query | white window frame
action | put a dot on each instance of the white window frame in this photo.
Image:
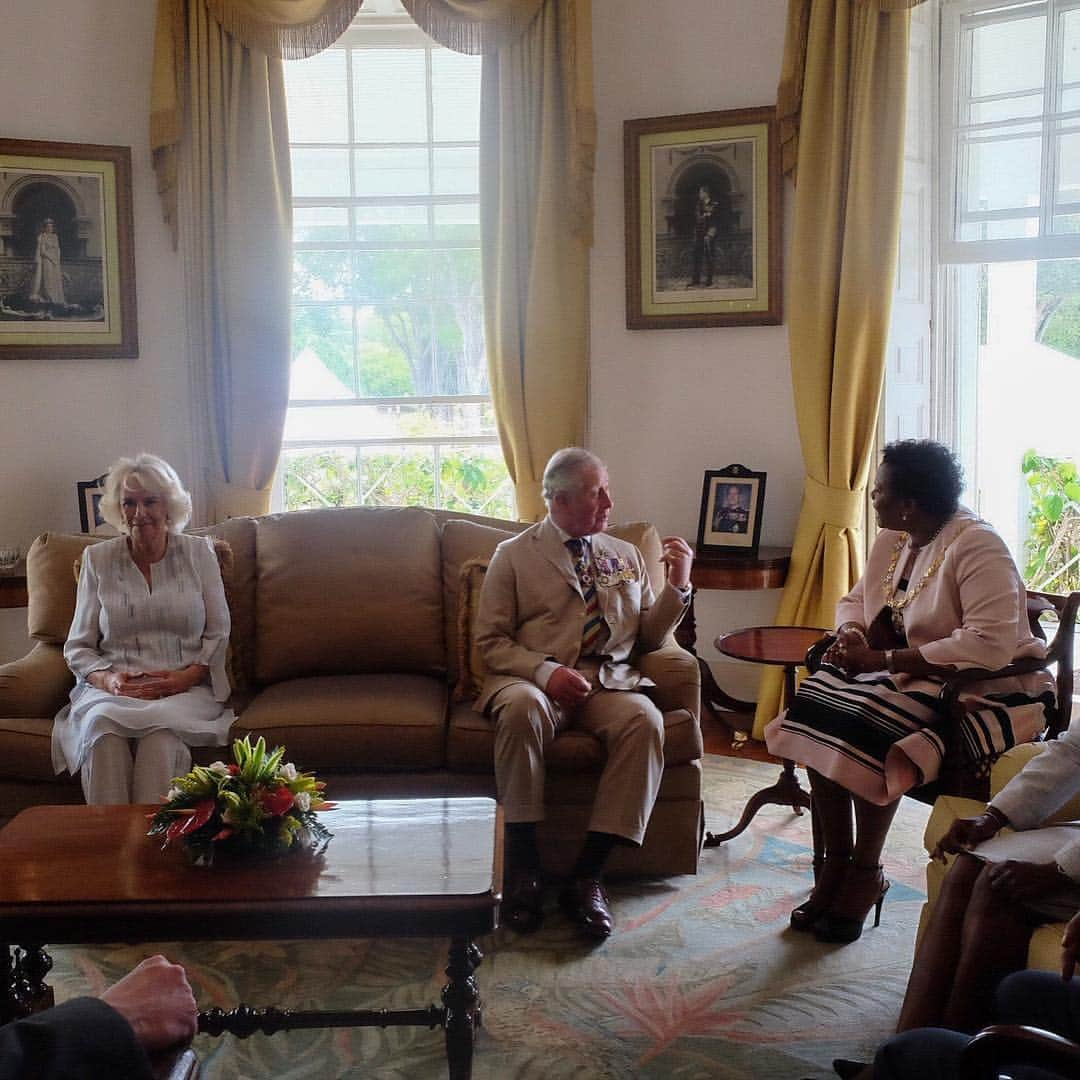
(955, 16)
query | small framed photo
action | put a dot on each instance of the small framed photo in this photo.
(703, 220)
(67, 262)
(90, 519)
(731, 503)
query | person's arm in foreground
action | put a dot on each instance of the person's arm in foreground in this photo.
(149, 1010)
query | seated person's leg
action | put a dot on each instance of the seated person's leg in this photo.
(106, 773)
(525, 723)
(920, 1054)
(1041, 999)
(159, 756)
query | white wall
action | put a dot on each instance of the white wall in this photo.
(665, 404)
(81, 73)
(668, 404)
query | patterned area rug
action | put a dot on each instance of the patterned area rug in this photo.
(702, 978)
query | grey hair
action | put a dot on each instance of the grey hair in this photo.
(564, 468)
(151, 473)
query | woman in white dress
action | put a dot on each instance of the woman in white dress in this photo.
(147, 644)
(1000, 888)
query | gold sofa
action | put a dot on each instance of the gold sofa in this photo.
(1044, 951)
(350, 647)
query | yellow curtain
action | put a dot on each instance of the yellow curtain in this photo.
(845, 73)
(537, 149)
(218, 108)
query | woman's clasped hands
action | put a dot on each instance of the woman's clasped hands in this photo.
(851, 651)
(148, 685)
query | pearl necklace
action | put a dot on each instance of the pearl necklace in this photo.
(888, 586)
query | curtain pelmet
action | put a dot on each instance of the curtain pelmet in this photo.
(473, 26)
(285, 29)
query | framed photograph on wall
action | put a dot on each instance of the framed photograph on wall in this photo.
(731, 503)
(67, 265)
(703, 220)
(89, 496)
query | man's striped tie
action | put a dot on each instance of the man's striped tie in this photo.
(595, 632)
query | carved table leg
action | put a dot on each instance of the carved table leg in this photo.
(462, 1000)
(787, 791)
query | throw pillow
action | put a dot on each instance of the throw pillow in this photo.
(471, 669)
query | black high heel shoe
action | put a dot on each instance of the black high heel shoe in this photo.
(829, 881)
(864, 888)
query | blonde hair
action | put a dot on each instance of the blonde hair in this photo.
(150, 473)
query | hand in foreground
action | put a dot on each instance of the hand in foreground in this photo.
(155, 998)
(567, 687)
(1070, 947)
(679, 557)
(1019, 881)
(965, 834)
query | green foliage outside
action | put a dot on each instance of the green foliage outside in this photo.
(470, 481)
(1058, 297)
(1053, 543)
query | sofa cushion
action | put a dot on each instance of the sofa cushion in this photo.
(347, 591)
(352, 721)
(470, 661)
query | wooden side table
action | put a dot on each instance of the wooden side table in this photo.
(767, 569)
(13, 586)
(781, 646)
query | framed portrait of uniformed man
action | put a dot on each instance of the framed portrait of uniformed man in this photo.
(703, 208)
(731, 503)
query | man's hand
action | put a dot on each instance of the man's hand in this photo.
(567, 687)
(679, 557)
(965, 834)
(1020, 881)
(155, 998)
(1070, 947)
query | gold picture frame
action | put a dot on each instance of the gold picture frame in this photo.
(67, 263)
(703, 220)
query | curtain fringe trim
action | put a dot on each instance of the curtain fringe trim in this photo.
(282, 41)
(463, 34)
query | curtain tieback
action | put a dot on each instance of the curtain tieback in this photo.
(841, 508)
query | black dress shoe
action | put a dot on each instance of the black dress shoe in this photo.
(586, 904)
(522, 908)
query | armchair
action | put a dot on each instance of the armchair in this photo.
(1003, 1045)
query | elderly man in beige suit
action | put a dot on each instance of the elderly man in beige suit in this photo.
(562, 607)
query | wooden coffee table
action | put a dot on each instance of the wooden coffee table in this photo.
(410, 867)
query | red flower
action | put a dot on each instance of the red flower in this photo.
(277, 801)
(233, 769)
(190, 820)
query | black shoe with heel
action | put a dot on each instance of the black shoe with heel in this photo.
(830, 880)
(864, 888)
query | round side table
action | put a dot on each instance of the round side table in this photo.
(780, 646)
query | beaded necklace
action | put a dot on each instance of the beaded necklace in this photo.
(888, 585)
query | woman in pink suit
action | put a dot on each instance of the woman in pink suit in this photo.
(940, 593)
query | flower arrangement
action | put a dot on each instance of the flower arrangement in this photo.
(255, 805)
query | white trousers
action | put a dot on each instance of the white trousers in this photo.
(628, 724)
(120, 770)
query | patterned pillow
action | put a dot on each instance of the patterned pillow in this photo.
(471, 669)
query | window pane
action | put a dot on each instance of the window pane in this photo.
(313, 223)
(397, 476)
(324, 477)
(393, 275)
(1070, 41)
(459, 337)
(391, 223)
(315, 89)
(391, 172)
(455, 91)
(1014, 228)
(356, 420)
(1008, 56)
(1016, 108)
(458, 223)
(1070, 99)
(320, 173)
(457, 171)
(457, 273)
(389, 95)
(320, 275)
(322, 350)
(1068, 168)
(473, 479)
(1003, 174)
(392, 343)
